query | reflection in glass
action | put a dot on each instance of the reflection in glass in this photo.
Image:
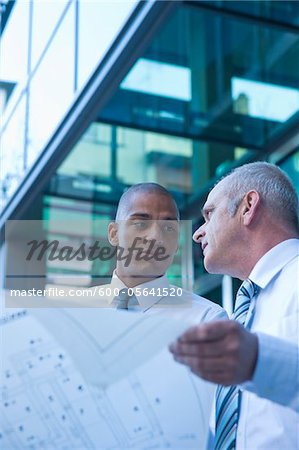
(107, 159)
(14, 54)
(146, 156)
(12, 153)
(99, 23)
(277, 10)
(152, 77)
(73, 223)
(200, 79)
(290, 165)
(45, 18)
(52, 87)
(263, 99)
(91, 156)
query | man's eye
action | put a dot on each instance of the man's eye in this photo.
(168, 228)
(140, 225)
(208, 214)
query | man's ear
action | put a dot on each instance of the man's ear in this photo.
(250, 205)
(113, 233)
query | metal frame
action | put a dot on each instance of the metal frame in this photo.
(139, 29)
(202, 136)
(268, 23)
(5, 10)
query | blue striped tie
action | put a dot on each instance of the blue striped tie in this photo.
(122, 299)
(228, 398)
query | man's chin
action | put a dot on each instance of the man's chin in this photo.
(210, 267)
(214, 270)
(152, 271)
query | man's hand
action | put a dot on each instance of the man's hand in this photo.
(222, 352)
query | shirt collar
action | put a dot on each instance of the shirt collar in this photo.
(145, 301)
(273, 261)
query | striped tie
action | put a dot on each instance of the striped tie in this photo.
(122, 299)
(228, 398)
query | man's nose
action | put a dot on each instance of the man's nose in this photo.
(155, 232)
(199, 234)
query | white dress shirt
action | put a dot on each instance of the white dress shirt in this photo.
(175, 297)
(269, 415)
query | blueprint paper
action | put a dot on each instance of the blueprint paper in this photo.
(47, 402)
(117, 341)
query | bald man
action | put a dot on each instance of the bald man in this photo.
(147, 220)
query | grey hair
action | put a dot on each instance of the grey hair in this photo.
(274, 186)
(142, 188)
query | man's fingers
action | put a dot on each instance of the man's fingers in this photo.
(215, 377)
(201, 365)
(207, 332)
(210, 369)
(201, 349)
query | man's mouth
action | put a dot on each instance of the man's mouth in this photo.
(204, 246)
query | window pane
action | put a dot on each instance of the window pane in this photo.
(52, 87)
(14, 54)
(278, 10)
(12, 153)
(200, 79)
(91, 156)
(99, 23)
(154, 157)
(45, 17)
(291, 166)
(107, 159)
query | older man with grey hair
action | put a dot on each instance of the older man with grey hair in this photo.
(251, 232)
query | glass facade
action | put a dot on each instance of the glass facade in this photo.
(43, 66)
(15, 55)
(290, 164)
(96, 96)
(200, 79)
(13, 137)
(46, 19)
(182, 120)
(99, 23)
(214, 86)
(109, 158)
(51, 89)
(277, 12)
